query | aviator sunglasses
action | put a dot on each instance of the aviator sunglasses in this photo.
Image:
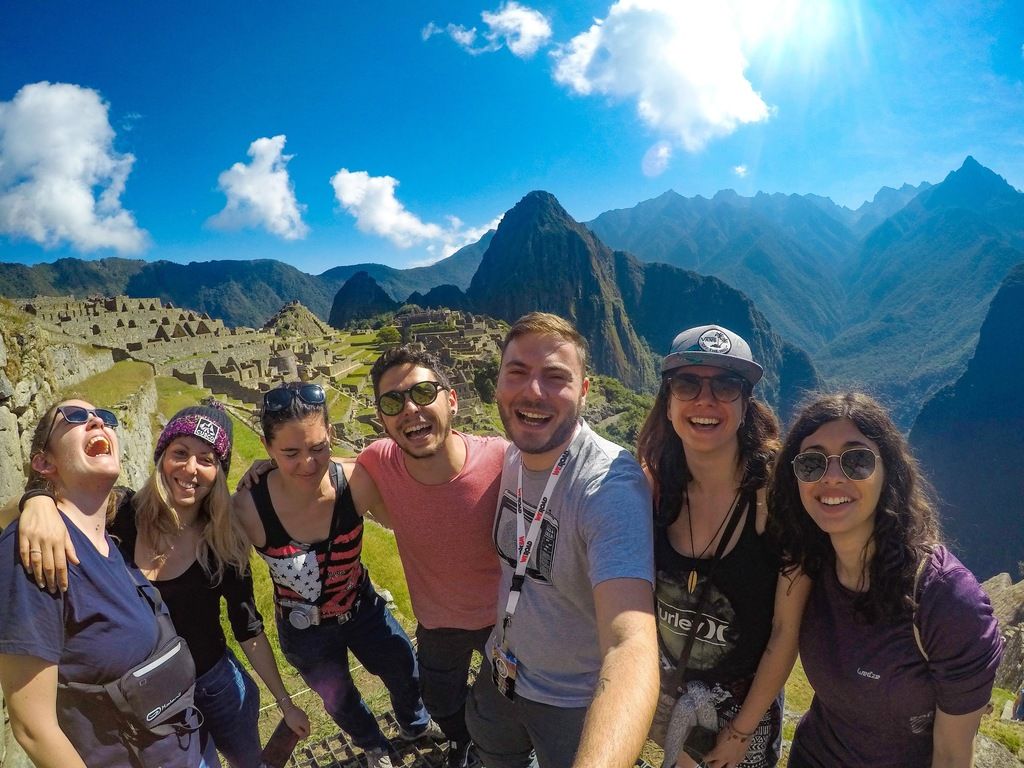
(76, 414)
(281, 398)
(856, 463)
(725, 388)
(422, 393)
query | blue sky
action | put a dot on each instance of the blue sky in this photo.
(324, 133)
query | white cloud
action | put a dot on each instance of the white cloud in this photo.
(656, 159)
(682, 62)
(522, 29)
(377, 211)
(60, 179)
(740, 170)
(260, 194)
(519, 28)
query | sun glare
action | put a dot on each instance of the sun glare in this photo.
(794, 38)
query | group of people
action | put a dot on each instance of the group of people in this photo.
(602, 591)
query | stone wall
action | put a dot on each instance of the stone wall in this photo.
(136, 435)
(36, 365)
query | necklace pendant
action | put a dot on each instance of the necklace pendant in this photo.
(691, 581)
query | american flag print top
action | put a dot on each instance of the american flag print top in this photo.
(328, 573)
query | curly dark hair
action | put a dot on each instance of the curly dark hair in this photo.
(661, 451)
(906, 527)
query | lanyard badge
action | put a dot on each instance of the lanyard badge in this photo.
(504, 664)
(503, 671)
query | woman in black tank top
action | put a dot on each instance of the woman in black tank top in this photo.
(706, 447)
(303, 521)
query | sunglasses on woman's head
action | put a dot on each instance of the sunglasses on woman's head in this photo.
(76, 414)
(422, 393)
(281, 398)
(725, 387)
(856, 463)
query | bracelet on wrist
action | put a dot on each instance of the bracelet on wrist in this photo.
(284, 701)
(738, 734)
(31, 494)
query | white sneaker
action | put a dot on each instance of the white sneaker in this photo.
(430, 731)
(378, 758)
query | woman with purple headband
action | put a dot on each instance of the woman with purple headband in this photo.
(179, 530)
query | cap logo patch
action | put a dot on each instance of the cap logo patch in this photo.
(714, 340)
(206, 430)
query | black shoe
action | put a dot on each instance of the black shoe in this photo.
(458, 754)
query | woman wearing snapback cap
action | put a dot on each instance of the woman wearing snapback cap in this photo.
(707, 446)
(180, 531)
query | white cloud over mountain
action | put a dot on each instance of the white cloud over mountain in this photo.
(519, 28)
(61, 180)
(682, 62)
(377, 211)
(261, 194)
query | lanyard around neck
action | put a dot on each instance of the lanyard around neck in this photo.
(526, 539)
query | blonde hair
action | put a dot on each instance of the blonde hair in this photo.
(547, 324)
(35, 479)
(222, 540)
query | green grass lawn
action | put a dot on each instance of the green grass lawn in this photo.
(114, 384)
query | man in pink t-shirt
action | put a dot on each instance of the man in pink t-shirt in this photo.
(438, 490)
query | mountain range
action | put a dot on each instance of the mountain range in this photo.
(238, 292)
(888, 297)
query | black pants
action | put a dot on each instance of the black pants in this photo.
(444, 657)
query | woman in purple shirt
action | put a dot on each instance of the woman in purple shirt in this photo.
(898, 640)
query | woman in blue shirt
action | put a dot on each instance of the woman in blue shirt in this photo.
(94, 633)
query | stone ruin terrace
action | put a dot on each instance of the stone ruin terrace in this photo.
(243, 363)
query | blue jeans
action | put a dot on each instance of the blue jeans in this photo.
(230, 702)
(320, 655)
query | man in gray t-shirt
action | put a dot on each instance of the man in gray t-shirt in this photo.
(572, 670)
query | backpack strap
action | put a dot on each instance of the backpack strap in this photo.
(917, 587)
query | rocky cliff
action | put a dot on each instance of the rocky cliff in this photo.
(37, 365)
(970, 439)
(540, 258)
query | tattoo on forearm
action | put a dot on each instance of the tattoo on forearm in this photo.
(602, 683)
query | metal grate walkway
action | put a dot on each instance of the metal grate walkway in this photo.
(337, 752)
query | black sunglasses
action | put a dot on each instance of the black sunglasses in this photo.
(76, 414)
(281, 398)
(725, 388)
(422, 393)
(856, 463)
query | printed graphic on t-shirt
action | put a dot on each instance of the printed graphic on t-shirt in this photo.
(713, 640)
(920, 724)
(541, 558)
(297, 569)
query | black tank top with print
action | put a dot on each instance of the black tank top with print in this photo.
(326, 573)
(736, 619)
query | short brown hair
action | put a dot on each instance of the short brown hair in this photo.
(406, 355)
(547, 324)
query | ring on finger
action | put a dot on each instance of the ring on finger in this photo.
(35, 551)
